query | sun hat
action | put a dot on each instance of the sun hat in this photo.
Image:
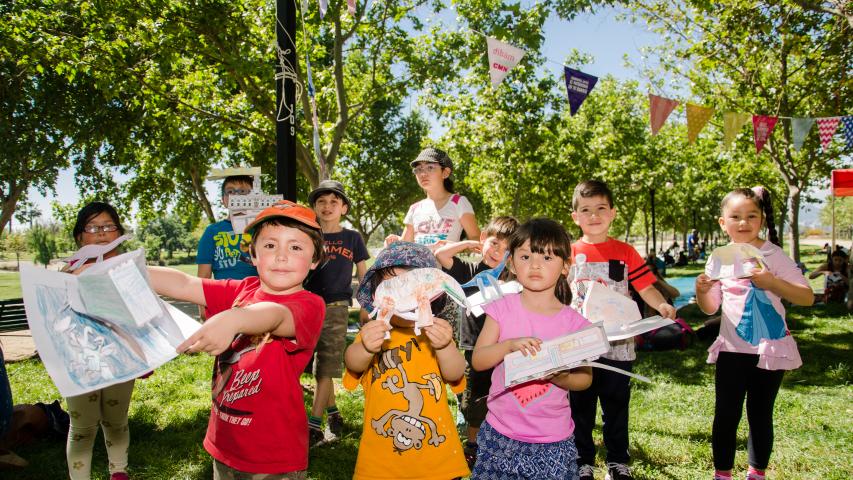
(284, 208)
(328, 186)
(433, 155)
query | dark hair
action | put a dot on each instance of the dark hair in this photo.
(546, 235)
(843, 256)
(501, 227)
(237, 179)
(591, 188)
(91, 211)
(761, 197)
(315, 235)
(448, 184)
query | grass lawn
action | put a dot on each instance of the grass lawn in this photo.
(670, 419)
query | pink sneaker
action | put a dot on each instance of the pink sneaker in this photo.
(119, 476)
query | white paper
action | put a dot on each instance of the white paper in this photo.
(619, 314)
(734, 260)
(83, 352)
(628, 330)
(556, 355)
(476, 301)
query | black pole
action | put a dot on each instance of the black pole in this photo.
(654, 232)
(285, 125)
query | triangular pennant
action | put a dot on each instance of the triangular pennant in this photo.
(502, 58)
(659, 110)
(847, 123)
(351, 7)
(732, 123)
(697, 117)
(800, 128)
(826, 129)
(578, 86)
(762, 127)
(324, 6)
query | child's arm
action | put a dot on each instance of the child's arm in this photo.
(488, 352)
(575, 379)
(408, 233)
(793, 292)
(823, 268)
(469, 224)
(446, 252)
(450, 361)
(219, 331)
(653, 297)
(360, 270)
(708, 302)
(358, 355)
(176, 284)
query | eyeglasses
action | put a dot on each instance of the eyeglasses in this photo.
(428, 168)
(100, 228)
(237, 191)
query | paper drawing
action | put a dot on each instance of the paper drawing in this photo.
(619, 314)
(734, 260)
(409, 295)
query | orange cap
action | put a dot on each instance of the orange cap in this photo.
(284, 208)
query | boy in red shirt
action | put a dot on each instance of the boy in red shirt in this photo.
(263, 331)
(599, 258)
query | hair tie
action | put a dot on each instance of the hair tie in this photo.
(758, 191)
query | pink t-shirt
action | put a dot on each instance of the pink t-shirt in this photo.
(765, 332)
(538, 411)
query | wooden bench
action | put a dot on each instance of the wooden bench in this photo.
(13, 317)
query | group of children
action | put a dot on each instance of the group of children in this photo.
(264, 329)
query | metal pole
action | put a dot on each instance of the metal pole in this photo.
(285, 125)
(654, 232)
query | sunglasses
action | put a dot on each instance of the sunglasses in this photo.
(428, 168)
(237, 191)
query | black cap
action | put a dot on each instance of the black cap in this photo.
(433, 155)
(328, 186)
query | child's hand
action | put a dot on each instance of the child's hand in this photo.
(440, 333)
(214, 336)
(527, 345)
(373, 335)
(392, 238)
(666, 310)
(704, 283)
(762, 278)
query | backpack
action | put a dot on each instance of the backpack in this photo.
(677, 335)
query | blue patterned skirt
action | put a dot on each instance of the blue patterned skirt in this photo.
(501, 457)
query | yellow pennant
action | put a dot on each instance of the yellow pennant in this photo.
(732, 123)
(697, 117)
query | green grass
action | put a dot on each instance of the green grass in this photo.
(10, 285)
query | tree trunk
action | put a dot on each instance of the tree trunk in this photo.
(646, 225)
(9, 203)
(794, 215)
(629, 221)
(201, 194)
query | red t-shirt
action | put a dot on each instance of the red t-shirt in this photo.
(257, 421)
(612, 262)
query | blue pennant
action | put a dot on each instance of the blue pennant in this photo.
(760, 319)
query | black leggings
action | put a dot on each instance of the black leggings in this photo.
(738, 377)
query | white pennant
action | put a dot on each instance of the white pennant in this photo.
(502, 58)
(324, 5)
(800, 128)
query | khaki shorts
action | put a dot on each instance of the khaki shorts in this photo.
(333, 341)
(224, 472)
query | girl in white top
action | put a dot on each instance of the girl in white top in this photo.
(442, 215)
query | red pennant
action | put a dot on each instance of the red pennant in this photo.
(762, 127)
(659, 109)
(826, 129)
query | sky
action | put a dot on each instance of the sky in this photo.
(599, 34)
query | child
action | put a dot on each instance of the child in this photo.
(98, 223)
(835, 283)
(522, 438)
(443, 215)
(493, 243)
(263, 330)
(409, 430)
(754, 346)
(599, 258)
(219, 250)
(333, 281)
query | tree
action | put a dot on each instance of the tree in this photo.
(773, 58)
(43, 242)
(27, 213)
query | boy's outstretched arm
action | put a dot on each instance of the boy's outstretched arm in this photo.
(176, 284)
(219, 331)
(446, 252)
(653, 297)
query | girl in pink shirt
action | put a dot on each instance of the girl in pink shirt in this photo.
(528, 432)
(754, 347)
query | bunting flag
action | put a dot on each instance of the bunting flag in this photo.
(732, 123)
(502, 58)
(697, 117)
(659, 110)
(762, 127)
(578, 86)
(351, 7)
(800, 128)
(826, 129)
(324, 5)
(847, 123)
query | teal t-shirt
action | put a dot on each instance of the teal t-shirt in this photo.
(226, 251)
